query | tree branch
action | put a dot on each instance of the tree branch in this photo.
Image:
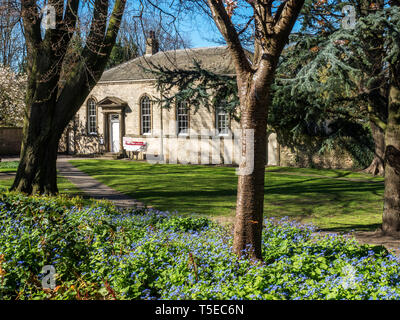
(97, 29)
(71, 16)
(31, 21)
(112, 32)
(288, 16)
(279, 12)
(88, 71)
(230, 35)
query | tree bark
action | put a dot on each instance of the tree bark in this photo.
(56, 86)
(391, 210)
(37, 171)
(377, 89)
(254, 79)
(250, 193)
(377, 166)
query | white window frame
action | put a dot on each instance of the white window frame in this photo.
(182, 117)
(221, 112)
(145, 102)
(92, 117)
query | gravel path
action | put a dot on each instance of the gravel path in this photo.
(93, 188)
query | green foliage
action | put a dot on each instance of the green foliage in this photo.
(121, 52)
(323, 111)
(335, 74)
(362, 153)
(197, 86)
(9, 165)
(104, 253)
(186, 224)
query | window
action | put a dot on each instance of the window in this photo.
(222, 119)
(182, 117)
(92, 117)
(145, 113)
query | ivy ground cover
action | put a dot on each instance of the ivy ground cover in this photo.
(100, 252)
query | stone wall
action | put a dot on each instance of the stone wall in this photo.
(75, 140)
(307, 157)
(10, 140)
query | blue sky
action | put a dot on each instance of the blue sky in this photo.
(198, 40)
(200, 31)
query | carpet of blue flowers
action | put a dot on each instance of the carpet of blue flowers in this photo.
(100, 252)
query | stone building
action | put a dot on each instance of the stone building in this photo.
(120, 116)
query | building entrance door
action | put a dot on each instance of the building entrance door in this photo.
(114, 133)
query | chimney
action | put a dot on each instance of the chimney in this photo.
(151, 44)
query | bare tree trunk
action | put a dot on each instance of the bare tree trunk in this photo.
(391, 210)
(37, 171)
(254, 79)
(250, 194)
(57, 87)
(377, 166)
(377, 89)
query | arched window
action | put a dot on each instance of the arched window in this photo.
(182, 117)
(222, 121)
(92, 116)
(145, 115)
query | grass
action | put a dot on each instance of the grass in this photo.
(64, 186)
(331, 199)
(329, 173)
(8, 166)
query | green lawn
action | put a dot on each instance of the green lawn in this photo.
(64, 186)
(8, 166)
(323, 197)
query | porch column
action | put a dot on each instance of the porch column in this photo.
(122, 132)
(105, 133)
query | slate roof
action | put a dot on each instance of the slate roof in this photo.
(215, 59)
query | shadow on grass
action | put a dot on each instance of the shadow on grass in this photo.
(211, 190)
(353, 227)
(315, 185)
(355, 175)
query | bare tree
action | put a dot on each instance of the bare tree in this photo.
(134, 32)
(11, 36)
(273, 22)
(136, 26)
(264, 25)
(56, 92)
